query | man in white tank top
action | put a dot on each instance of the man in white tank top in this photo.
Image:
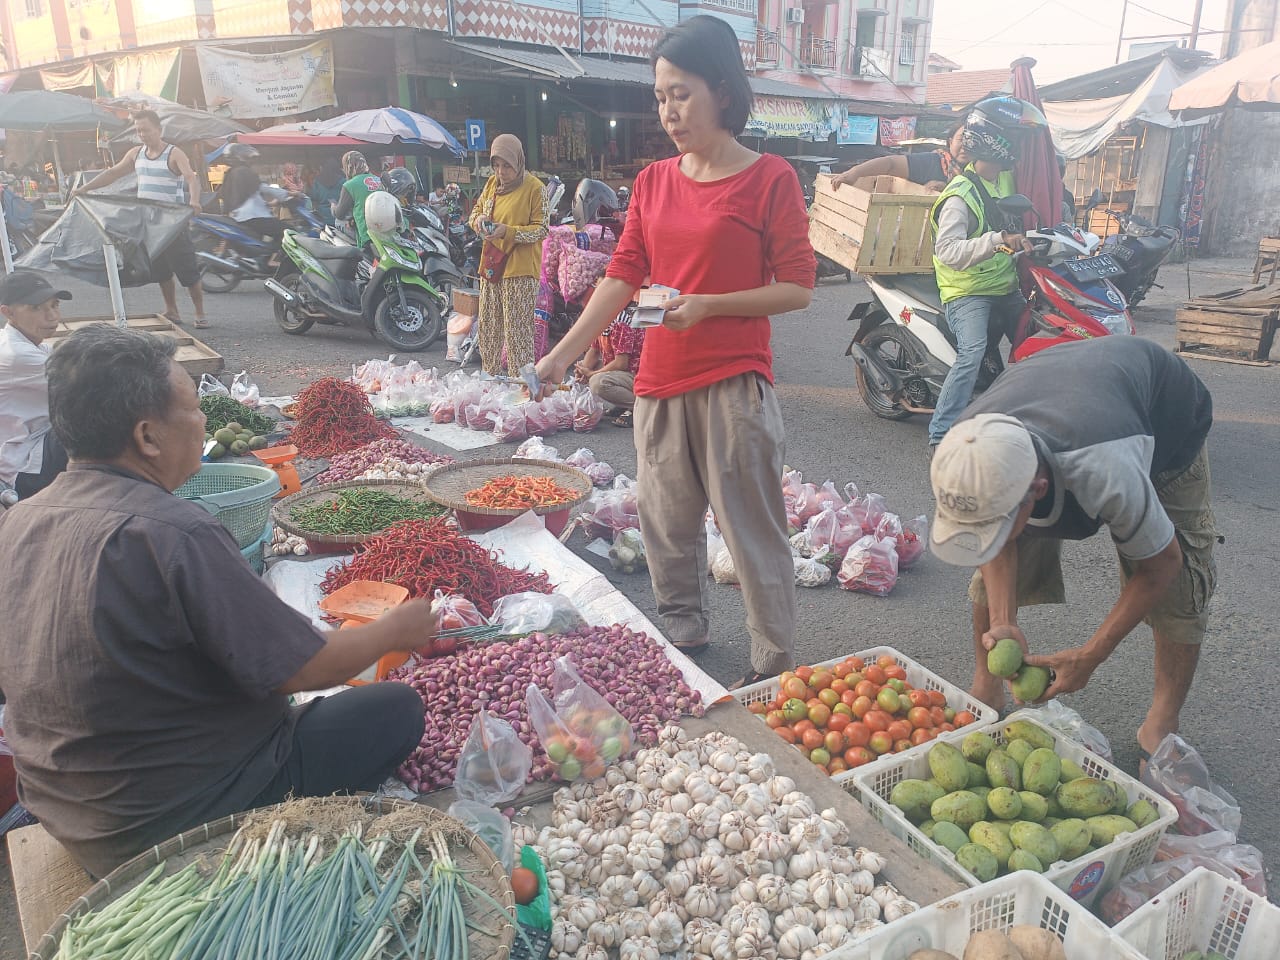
(164, 173)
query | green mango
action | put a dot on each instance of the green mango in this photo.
(226, 436)
(1071, 771)
(1087, 797)
(217, 451)
(1035, 839)
(977, 775)
(1003, 771)
(962, 808)
(977, 745)
(1030, 684)
(986, 835)
(1005, 658)
(1143, 812)
(1024, 860)
(982, 792)
(1055, 808)
(927, 828)
(1050, 822)
(1034, 807)
(239, 448)
(1019, 750)
(1072, 836)
(948, 766)
(258, 443)
(949, 835)
(1028, 731)
(914, 798)
(1041, 770)
(1004, 826)
(1121, 806)
(1004, 803)
(979, 861)
(1106, 828)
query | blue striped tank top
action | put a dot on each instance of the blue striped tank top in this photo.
(155, 180)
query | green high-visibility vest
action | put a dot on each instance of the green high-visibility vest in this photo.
(991, 278)
(360, 186)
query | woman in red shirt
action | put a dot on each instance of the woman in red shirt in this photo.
(727, 227)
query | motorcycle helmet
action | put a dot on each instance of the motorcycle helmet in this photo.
(452, 191)
(353, 162)
(400, 183)
(994, 125)
(240, 153)
(382, 213)
(624, 196)
(594, 201)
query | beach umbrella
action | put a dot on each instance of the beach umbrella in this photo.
(387, 125)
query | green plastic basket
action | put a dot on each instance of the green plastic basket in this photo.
(238, 494)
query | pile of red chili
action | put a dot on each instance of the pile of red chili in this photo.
(511, 492)
(424, 556)
(333, 416)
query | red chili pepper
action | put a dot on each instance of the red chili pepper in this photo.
(333, 416)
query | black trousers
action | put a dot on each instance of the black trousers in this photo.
(351, 741)
(54, 462)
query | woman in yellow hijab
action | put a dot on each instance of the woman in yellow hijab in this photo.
(511, 215)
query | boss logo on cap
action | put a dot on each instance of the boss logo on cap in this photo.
(957, 502)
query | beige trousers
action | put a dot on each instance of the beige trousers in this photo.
(721, 445)
(615, 387)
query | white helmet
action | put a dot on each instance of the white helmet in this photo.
(382, 213)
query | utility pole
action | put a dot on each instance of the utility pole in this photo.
(1195, 24)
(1124, 11)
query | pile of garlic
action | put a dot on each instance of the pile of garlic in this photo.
(697, 850)
(392, 468)
(282, 544)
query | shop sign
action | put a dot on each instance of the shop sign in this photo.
(785, 117)
(251, 85)
(858, 130)
(893, 130)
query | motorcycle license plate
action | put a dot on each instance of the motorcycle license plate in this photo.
(1093, 268)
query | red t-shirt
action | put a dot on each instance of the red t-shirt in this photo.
(739, 233)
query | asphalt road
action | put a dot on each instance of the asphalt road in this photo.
(831, 434)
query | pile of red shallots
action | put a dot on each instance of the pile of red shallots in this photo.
(628, 668)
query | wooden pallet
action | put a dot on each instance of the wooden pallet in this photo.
(876, 225)
(1233, 325)
(193, 355)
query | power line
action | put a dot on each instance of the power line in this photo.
(1157, 13)
(1005, 29)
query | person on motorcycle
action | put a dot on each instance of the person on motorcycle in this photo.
(243, 199)
(977, 278)
(359, 184)
(933, 169)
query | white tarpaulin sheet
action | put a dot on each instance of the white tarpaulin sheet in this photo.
(524, 542)
(452, 435)
(1082, 126)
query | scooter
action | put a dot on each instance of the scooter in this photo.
(903, 348)
(1140, 248)
(433, 248)
(319, 282)
(228, 253)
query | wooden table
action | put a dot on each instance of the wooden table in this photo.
(193, 355)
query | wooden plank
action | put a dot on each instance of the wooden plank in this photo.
(1196, 355)
(1227, 318)
(837, 220)
(834, 245)
(1226, 310)
(1210, 334)
(1269, 245)
(193, 355)
(1256, 331)
(1234, 344)
(45, 880)
(885, 223)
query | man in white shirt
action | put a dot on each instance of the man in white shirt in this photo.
(30, 455)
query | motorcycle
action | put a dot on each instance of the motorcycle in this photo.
(903, 348)
(1140, 248)
(432, 243)
(320, 282)
(228, 253)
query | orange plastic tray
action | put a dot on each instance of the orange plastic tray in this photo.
(364, 600)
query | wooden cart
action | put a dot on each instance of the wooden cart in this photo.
(1237, 326)
(875, 225)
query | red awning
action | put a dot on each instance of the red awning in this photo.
(296, 139)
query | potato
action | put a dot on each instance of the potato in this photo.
(1036, 943)
(991, 945)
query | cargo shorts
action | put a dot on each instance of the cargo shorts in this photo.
(1182, 616)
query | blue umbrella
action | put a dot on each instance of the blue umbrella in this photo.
(387, 125)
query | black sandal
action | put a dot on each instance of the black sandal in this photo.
(751, 678)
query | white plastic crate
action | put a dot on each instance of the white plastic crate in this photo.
(1204, 911)
(919, 677)
(1014, 900)
(1085, 878)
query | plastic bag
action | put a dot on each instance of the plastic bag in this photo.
(871, 566)
(494, 764)
(535, 449)
(243, 390)
(1178, 772)
(722, 567)
(211, 386)
(442, 409)
(509, 424)
(609, 511)
(588, 411)
(1062, 719)
(627, 553)
(560, 408)
(534, 612)
(578, 270)
(490, 826)
(829, 497)
(588, 714)
(811, 573)
(912, 542)
(715, 542)
(868, 511)
(454, 612)
(1220, 847)
(581, 458)
(539, 420)
(792, 491)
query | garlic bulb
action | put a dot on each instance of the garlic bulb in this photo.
(753, 946)
(701, 901)
(771, 845)
(672, 738)
(645, 852)
(797, 916)
(779, 787)
(746, 918)
(865, 908)
(864, 927)
(760, 767)
(680, 803)
(613, 860)
(634, 923)
(591, 951)
(699, 935)
(722, 947)
(686, 850)
(674, 779)
(614, 777)
(884, 894)
(555, 884)
(842, 860)
(716, 872)
(677, 882)
(581, 912)
(670, 828)
(639, 948)
(825, 891)
(795, 942)
(619, 892)
(523, 835)
(667, 931)
(773, 893)
(605, 933)
(647, 885)
(737, 831)
(833, 935)
(751, 800)
(805, 864)
(865, 884)
(899, 907)
(565, 937)
(809, 833)
(745, 892)
(629, 797)
(699, 789)
(869, 860)
(836, 828)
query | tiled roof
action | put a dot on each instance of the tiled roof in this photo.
(965, 86)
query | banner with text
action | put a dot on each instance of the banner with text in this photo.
(253, 85)
(855, 129)
(786, 117)
(893, 130)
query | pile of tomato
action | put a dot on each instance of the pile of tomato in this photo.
(844, 715)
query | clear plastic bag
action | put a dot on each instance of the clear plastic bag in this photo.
(870, 566)
(612, 510)
(811, 573)
(243, 390)
(535, 449)
(588, 714)
(581, 458)
(510, 424)
(442, 409)
(722, 569)
(490, 826)
(494, 764)
(913, 541)
(561, 411)
(1220, 847)
(828, 496)
(715, 542)
(557, 740)
(1178, 772)
(588, 411)
(627, 553)
(455, 612)
(1062, 719)
(820, 532)
(868, 510)
(533, 612)
(211, 386)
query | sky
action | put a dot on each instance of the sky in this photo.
(1066, 37)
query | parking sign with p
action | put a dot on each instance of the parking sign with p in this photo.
(476, 138)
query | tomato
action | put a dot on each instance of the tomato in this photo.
(584, 750)
(839, 721)
(524, 884)
(862, 706)
(775, 719)
(857, 734)
(854, 679)
(858, 662)
(557, 749)
(837, 765)
(820, 757)
(950, 713)
(829, 697)
(834, 742)
(885, 661)
(896, 672)
(785, 675)
(821, 679)
(861, 755)
(937, 715)
(937, 698)
(759, 708)
(794, 688)
(800, 726)
(866, 688)
(786, 733)
(842, 670)
(899, 685)
(877, 720)
(880, 743)
(900, 745)
(820, 714)
(964, 718)
(919, 717)
(876, 674)
(848, 698)
(921, 735)
(804, 673)
(947, 728)
(593, 769)
(839, 686)
(812, 739)
(794, 709)
(842, 710)
(887, 699)
(918, 698)
(899, 730)
(812, 702)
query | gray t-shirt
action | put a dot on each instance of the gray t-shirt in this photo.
(1109, 416)
(139, 658)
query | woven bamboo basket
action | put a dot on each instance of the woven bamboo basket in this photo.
(340, 543)
(205, 844)
(450, 484)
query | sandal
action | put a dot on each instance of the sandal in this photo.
(751, 678)
(201, 324)
(694, 647)
(624, 419)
